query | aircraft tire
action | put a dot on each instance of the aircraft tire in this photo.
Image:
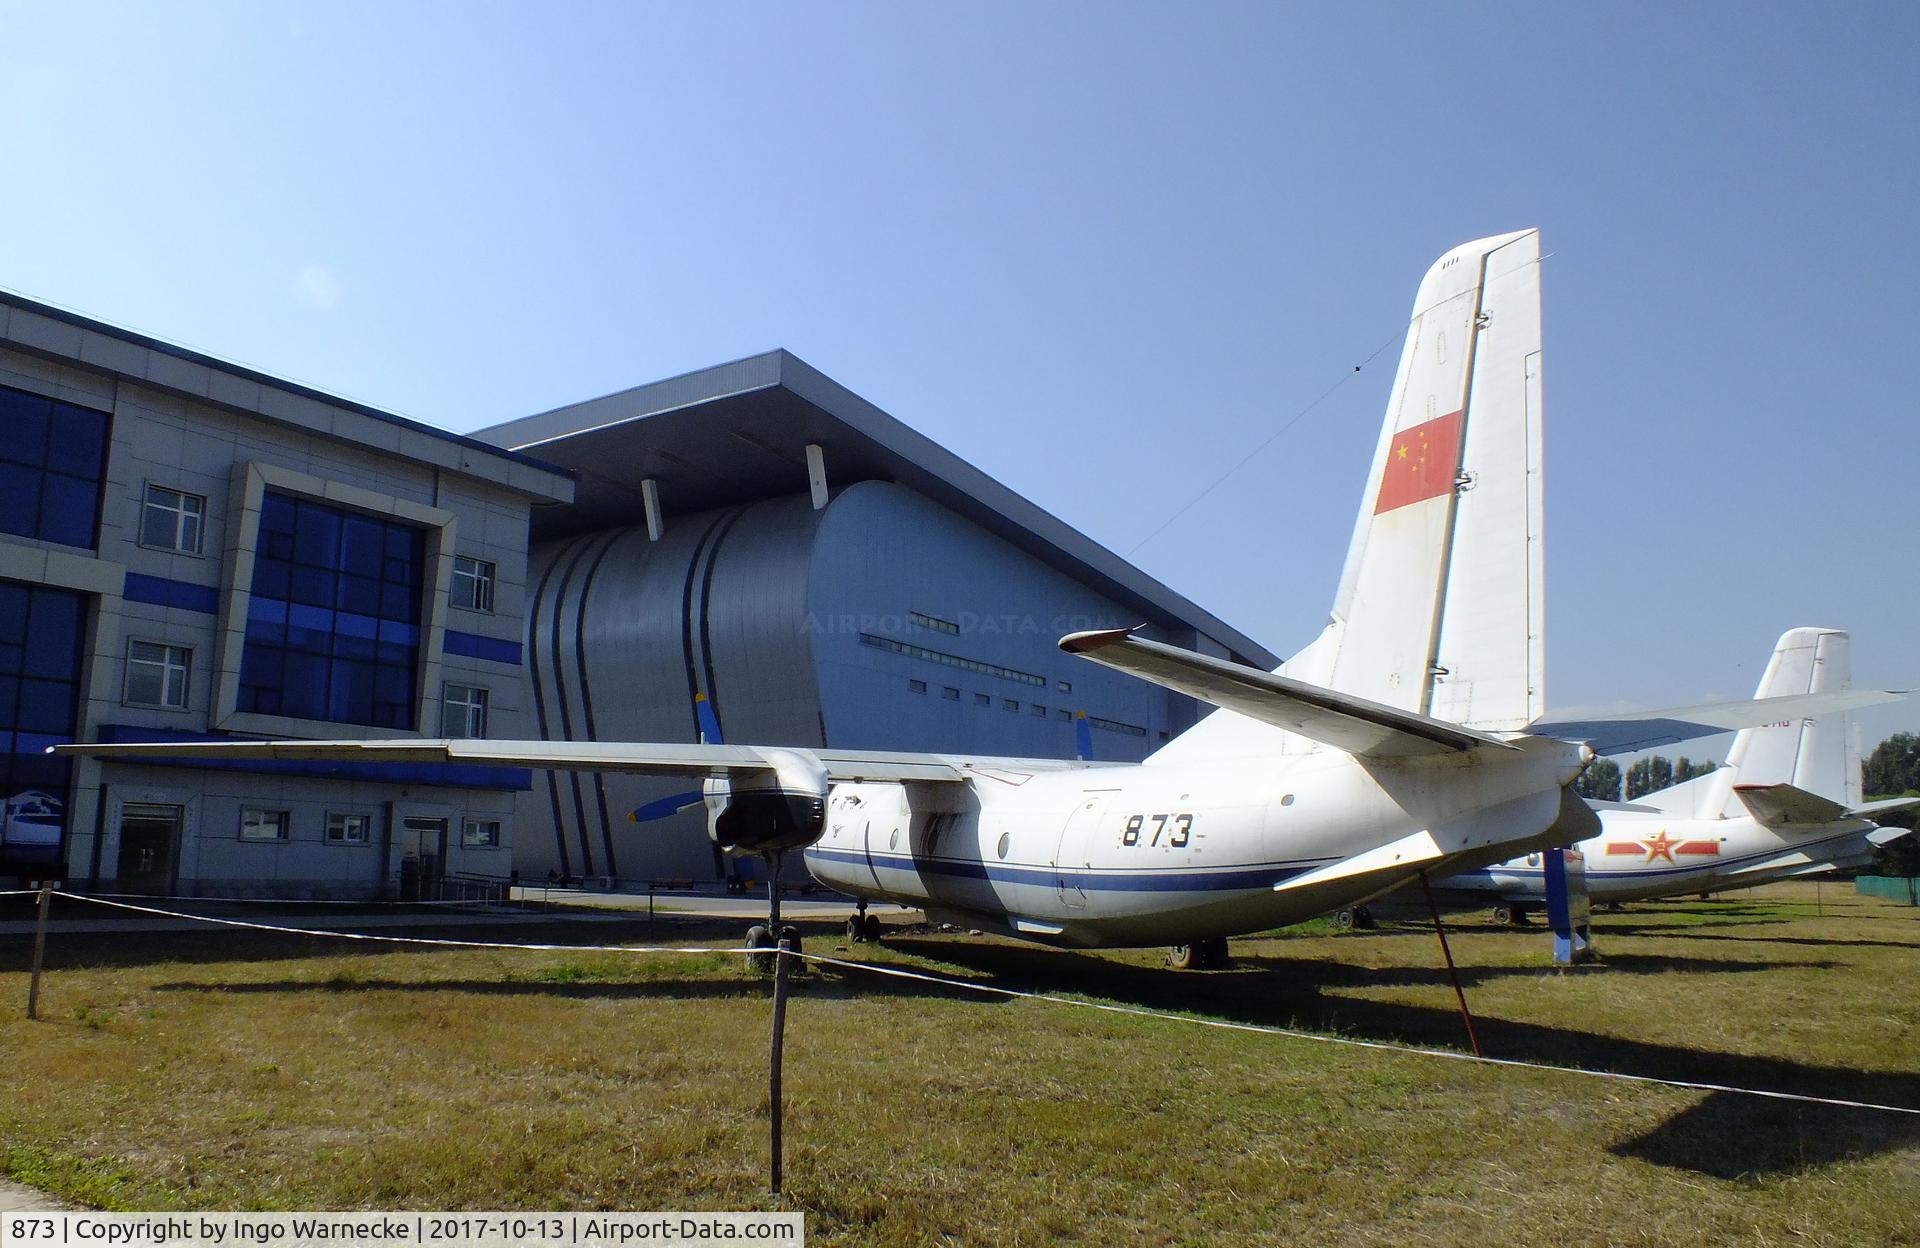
(1184, 957)
(871, 927)
(759, 936)
(857, 929)
(1213, 953)
(1343, 920)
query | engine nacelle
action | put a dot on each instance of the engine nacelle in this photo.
(756, 812)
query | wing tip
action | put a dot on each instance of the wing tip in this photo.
(1094, 639)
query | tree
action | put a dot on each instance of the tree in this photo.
(1686, 769)
(1649, 775)
(1894, 766)
(1893, 770)
(1600, 781)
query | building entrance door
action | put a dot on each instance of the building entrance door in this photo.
(423, 861)
(149, 844)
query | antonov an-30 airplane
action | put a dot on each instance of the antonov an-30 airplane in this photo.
(1397, 743)
(1787, 803)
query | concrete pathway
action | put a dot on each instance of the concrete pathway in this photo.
(19, 1198)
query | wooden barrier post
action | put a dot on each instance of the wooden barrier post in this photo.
(39, 950)
(776, 1105)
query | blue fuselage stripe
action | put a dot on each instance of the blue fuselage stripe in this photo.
(1223, 879)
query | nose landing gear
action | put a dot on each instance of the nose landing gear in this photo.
(861, 926)
(772, 933)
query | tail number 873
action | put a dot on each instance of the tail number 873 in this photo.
(1139, 827)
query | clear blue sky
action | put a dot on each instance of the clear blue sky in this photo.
(1100, 250)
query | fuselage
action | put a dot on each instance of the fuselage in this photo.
(1643, 855)
(1168, 854)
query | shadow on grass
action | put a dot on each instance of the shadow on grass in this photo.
(1288, 993)
(1733, 1137)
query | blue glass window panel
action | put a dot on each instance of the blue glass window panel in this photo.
(361, 544)
(13, 612)
(9, 694)
(277, 514)
(12, 656)
(360, 594)
(260, 663)
(316, 619)
(351, 624)
(303, 689)
(25, 417)
(316, 539)
(277, 545)
(19, 499)
(266, 611)
(399, 602)
(314, 586)
(45, 706)
(352, 700)
(53, 643)
(272, 578)
(395, 633)
(69, 510)
(403, 544)
(33, 768)
(79, 442)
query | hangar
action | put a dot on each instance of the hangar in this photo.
(194, 550)
(759, 537)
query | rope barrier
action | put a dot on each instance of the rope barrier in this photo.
(874, 968)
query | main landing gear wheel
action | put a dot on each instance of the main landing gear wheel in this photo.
(862, 926)
(760, 936)
(1510, 915)
(1204, 955)
(1353, 918)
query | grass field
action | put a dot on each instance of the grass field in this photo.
(228, 1071)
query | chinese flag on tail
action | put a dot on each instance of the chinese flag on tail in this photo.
(1421, 464)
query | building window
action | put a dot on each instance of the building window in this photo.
(347, 829)
(918, 686)
(951, 660)
(1115, 725)
(173, 520)
(40, 635)
(257, 824)
(1039, 710)
(480, 833)
(157, 674)
(1063, 713)
(950, 694)
(982, 699)
(53, 457)
(1065, 686)
(1011, 704)
(334, 621)
(463, 711)
(472, 583)
(934, 622)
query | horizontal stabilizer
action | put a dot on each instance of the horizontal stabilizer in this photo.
(1887, 836)
(1396, 856)
(1885, 806)
(1775, 804)
(1355, 725)
(645, 758)
(1643, 730)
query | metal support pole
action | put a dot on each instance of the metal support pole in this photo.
(776, 1104)
(773, 894)
(39, 950)
(1453, 972)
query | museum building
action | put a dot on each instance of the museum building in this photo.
(192, 550)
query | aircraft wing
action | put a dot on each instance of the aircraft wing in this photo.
(655, 758)
(1355, 725)
(1643, 730)
(1885, 806)
(1775, 804)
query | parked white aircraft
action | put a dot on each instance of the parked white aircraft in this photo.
(1787, 803)
(1396, 744)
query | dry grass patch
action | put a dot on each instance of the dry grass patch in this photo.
(292, 1074)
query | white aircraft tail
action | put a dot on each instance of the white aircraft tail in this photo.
(1440, 607)
(1817, 755)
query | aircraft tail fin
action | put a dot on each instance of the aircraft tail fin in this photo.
(1440, 610)
(1811, 753)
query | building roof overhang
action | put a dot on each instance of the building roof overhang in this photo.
(739, 432)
